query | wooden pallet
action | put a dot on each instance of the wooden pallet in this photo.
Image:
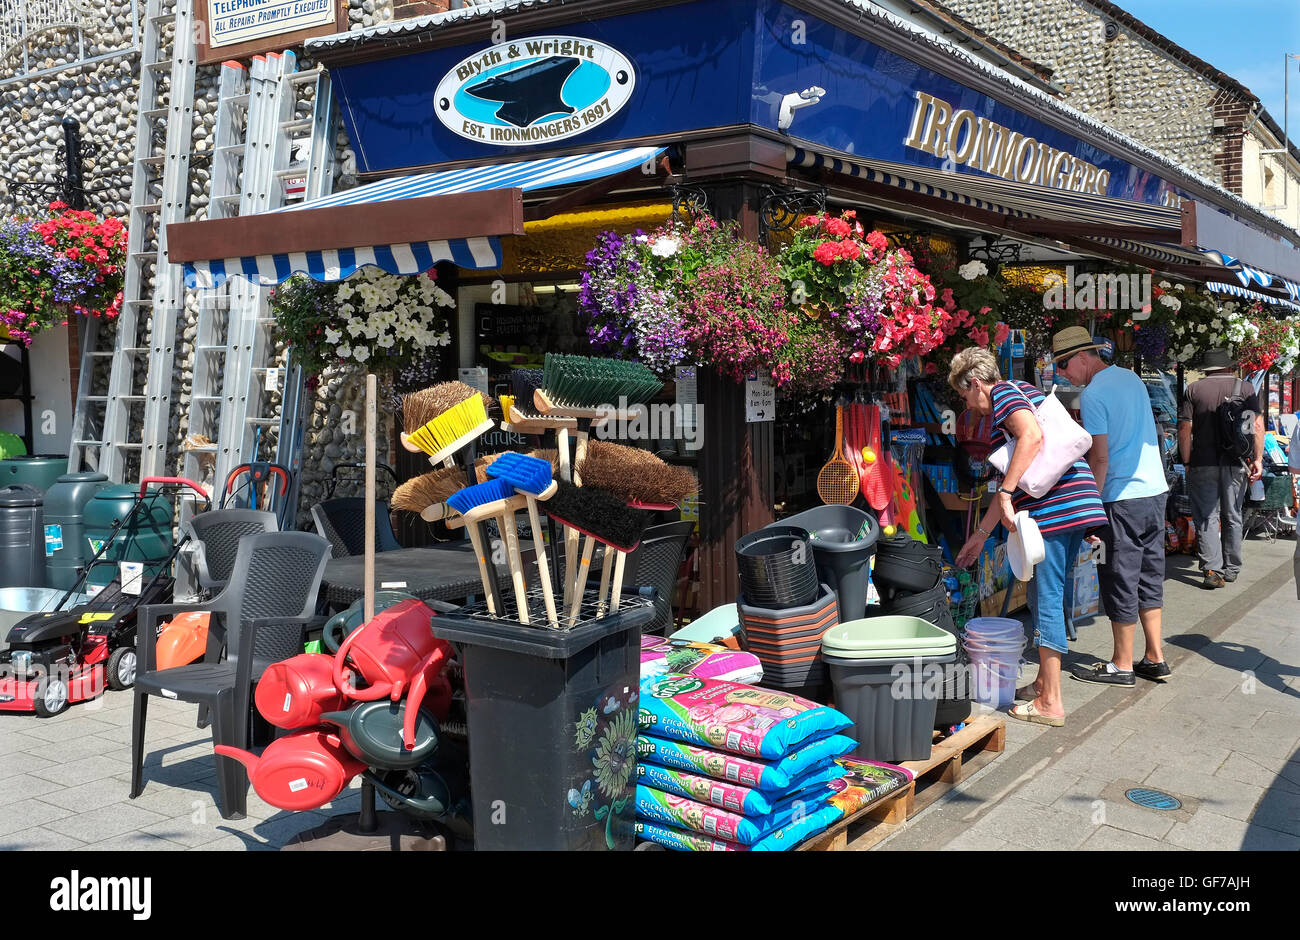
(950, 761)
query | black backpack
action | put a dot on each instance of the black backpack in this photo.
(1236, 425)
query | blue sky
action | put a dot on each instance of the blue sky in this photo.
(1244, 38)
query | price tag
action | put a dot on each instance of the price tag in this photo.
(476, 378)
(132, 575)
(760, 399)
(386, 585)
(687, 395)
(272, 379)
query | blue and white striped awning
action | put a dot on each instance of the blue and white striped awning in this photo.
(1021, 200)
(1250, 275)
(1221, 288)
(334, 264)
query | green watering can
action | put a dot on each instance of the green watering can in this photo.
(372, 732)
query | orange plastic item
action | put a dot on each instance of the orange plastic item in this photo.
(183, 640)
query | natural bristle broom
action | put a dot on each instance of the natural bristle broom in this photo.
(636, 476)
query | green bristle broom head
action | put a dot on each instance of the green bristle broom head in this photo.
(583, 382)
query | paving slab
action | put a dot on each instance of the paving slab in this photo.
(77, 772)
(40, 839)
(104, 822)
(24, 814)
(1211, 832)
(1110, 839)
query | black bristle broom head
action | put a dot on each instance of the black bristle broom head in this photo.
(602, 515)
(523, 382)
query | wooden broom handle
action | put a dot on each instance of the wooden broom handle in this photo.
(372, 418)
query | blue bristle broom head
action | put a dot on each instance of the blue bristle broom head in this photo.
(530, 474)
(479, 495)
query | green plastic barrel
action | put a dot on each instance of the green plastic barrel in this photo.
(147, 537)
(66, 550)
(39, 470)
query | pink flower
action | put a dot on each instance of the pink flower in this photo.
(1001, 333)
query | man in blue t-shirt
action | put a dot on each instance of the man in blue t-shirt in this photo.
(1125, 460)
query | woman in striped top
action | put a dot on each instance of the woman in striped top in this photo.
(1063, 515)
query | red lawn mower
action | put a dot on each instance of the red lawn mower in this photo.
(65, 656)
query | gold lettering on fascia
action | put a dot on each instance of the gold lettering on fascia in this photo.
(984, 145)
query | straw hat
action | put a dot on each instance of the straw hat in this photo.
(1071, 340)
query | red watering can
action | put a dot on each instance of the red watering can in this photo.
(394, 652)
(300, 771)
(296, 692)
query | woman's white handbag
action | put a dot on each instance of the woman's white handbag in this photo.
(1064, 442)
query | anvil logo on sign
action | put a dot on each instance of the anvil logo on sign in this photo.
(535, 90)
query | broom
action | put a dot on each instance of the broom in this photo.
(534, 478)
(636, 476)
(522, 416)
(485, 500)
(600, 516)
(640, 479)
(582, 387)
(457, 427)
(427, 494)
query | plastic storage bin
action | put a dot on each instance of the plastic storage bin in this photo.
(843, 540)
(39, 470)
(552, 727)
(147, 537)
(893, 715)
(66, 549)
(22, 539)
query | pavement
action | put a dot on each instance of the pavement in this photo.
(1221, 735)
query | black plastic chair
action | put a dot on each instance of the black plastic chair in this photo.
(218, 533)
(655, 563)
(274, 584)
(342, 522)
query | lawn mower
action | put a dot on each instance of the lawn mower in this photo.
(55, 659)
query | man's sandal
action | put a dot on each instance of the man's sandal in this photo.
(1027, 712)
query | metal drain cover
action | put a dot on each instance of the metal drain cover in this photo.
(1153, 799)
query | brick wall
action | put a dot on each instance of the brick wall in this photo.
(1234, 113)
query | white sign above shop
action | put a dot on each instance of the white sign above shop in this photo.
(235, 22)
(536, 90)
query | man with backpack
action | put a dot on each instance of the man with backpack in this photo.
(1221, 439)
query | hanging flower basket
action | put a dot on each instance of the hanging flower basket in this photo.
(53, 269)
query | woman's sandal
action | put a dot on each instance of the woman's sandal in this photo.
(1027, 712)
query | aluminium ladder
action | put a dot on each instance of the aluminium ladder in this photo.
(233, 365)
(112, 452)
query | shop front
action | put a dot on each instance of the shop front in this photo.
(794, 215)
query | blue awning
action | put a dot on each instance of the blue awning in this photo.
(328, 263)
(1235, 291)
(1247, 274)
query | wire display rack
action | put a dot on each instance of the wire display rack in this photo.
(594, 607)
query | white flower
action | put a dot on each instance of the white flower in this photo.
(1178, 287)
(361, 353)
(344, 351)
(1200, 327)
(972, 269)
(385, 341)
(1165, 285)
(332, 337)
(665, 247)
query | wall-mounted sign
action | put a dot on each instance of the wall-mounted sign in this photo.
(536, 90)
(962, 137)
(239, 29)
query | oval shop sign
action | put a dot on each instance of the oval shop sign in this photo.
(535, 90)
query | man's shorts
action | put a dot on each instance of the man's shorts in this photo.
(1133, 576)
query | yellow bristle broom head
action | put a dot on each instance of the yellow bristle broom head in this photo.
(419, 408)
(450, 426)
(636, 476)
